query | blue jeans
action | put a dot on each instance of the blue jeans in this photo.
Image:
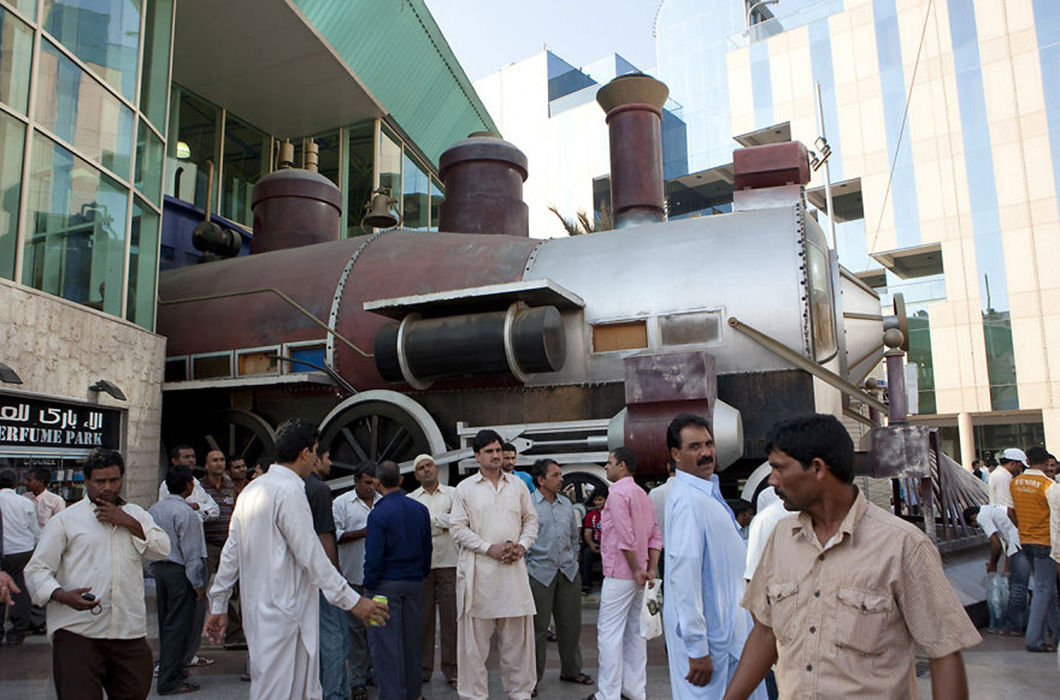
(334, 643)
(1019, 576)
(1044, 610)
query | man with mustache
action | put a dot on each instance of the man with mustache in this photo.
(90, 557)
(845, 592)
(705, 627)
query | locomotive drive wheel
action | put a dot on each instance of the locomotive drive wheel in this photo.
(240, 433)
(586, 478)
(379, 425)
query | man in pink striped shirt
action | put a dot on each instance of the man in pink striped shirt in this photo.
(629, 547)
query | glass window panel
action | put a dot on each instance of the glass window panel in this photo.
(359, 174)
(26, 7)
(154, 88)
(149, 163)
(437, 197)
(246, 160)
(416, 207)
(143, 265)
(328, 156)
(390, 165)
(105, 34)
(192, 142)
(76, 242)
(690, 328)
(12, 141)
(16, 38)
(74, 106)
(307, 356)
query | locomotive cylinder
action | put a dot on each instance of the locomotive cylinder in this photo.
(484, 178)
(294, 208)
(422, 350)
(633, 104)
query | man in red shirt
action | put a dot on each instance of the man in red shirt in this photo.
(591, 537)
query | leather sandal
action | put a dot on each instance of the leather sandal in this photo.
(580, 679)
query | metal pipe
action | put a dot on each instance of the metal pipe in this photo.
(825, 375)
(298, 307)
(827, 172)
(899, 408)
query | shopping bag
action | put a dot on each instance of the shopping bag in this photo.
(996, 598)
(651, 612)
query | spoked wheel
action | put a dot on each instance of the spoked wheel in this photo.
(586, 479)
(240, 433)
(379, 425)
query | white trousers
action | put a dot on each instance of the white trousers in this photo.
(515, 644)
(623, 652)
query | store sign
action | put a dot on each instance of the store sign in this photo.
(30, 422)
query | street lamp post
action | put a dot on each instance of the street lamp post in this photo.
(751, 9)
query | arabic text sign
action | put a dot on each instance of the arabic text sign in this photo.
(35, 422)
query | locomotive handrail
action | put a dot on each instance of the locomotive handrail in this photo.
(825, 375)
(298, 307)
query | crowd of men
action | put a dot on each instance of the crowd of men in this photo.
(1023, 522)
(820, 594)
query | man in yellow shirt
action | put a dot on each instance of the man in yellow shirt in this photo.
(1032, 516)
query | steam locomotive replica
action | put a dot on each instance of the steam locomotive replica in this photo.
(402, 342)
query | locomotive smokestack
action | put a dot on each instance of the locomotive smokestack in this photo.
(484, 178)
(633, 104)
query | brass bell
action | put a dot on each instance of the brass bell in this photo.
(380, 211)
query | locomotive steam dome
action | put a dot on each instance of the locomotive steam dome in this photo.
(292, 208)
(484, 177)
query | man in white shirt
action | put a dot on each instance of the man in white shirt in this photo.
(272, 545)
(439, 588)
(21, 532)
(199, 500)
(493, 522)
(1003, 536)
(351, 511)
(46, 502)
(1012, 461)
(90, 558)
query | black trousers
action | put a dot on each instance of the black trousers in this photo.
(17, 614)
(83, 667)
(395, 647)
(176, 613)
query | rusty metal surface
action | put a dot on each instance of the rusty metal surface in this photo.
(294, 207)
(658, 387)
(407, 263)
(483, 178)
(899, 451)
(771, 165)
(635, 133)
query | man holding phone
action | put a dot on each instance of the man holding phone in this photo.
(88, 569)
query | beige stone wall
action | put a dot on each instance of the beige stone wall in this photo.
(59, 348)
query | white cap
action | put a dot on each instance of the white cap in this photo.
(420, 458)
(1013, 454)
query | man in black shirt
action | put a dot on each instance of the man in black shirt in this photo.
(334, 634)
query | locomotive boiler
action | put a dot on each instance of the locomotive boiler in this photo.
(403, 341)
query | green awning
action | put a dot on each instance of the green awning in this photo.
(399, 53)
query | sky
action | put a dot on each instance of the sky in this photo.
(488, 34)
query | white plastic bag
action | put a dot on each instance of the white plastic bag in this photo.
(651, 612)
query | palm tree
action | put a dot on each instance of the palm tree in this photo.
(582, 224)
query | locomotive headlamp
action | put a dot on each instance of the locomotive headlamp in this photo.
(378, 210)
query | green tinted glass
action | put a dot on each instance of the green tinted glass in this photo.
(150, 160)
(16, 38)
(105, 34)
(143, 264)
(12, 140)
(154, 87)
(75, 247)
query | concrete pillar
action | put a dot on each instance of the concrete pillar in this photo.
(966, 436)
(1051, 423)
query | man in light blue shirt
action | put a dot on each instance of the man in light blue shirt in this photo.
(705, 626)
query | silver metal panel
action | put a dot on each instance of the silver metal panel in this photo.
(746, 263)
(535, 292)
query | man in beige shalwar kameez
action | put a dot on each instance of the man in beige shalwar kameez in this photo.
(494, 522)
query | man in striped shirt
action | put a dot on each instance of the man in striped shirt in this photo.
(845, 592)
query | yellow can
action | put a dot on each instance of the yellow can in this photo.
(382, 599)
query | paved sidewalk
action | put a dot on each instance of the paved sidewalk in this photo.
(997, 668)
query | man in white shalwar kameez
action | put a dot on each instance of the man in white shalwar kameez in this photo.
(273, 550)
(705, 626)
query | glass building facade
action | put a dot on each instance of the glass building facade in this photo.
(946, 115)
(83, 93)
